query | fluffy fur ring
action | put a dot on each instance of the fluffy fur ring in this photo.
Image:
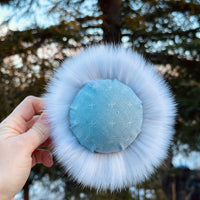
(111, 116)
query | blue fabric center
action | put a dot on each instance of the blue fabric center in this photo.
(106, 116)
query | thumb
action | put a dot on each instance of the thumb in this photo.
(38, 133)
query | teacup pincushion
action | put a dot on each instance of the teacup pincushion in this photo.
(111, 116)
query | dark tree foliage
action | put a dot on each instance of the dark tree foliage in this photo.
(166, 32)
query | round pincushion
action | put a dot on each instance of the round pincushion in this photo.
(106, 116)
(111, 116)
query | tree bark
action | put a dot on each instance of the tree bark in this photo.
(111, 20)
(26, 190)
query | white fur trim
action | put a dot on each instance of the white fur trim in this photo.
(134, 164)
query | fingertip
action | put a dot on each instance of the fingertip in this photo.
(47, 160)
(48, 164)
(42, 156)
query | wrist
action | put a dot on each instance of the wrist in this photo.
(5, 193)
(5, 197)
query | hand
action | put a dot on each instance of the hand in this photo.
(21, 135)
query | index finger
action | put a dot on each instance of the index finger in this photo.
(30, 106)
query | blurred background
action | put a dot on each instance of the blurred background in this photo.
(35, 37)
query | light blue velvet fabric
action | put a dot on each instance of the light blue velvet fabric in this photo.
(106, 116)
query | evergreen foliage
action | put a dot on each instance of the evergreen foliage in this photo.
(166, 32)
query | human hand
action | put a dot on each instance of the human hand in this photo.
(21, 135)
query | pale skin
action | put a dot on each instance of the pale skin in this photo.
(22, 134)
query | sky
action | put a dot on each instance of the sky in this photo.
(20, 23)
(40, 14)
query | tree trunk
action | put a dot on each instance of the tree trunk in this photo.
(111, 20)
(26, 190)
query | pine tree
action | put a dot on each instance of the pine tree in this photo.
(166, 32)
